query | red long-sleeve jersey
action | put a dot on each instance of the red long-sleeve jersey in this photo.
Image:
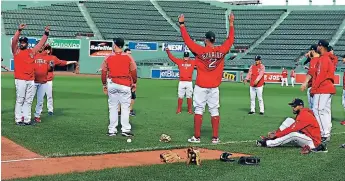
(256, 73)
(185, 67)
(312, 70)
(334, 59)
(292, 74)
(42, 68)
(284, 73)
(209, 60)
(57, 62)
(306, 123)
(323, 79)
(24, 62)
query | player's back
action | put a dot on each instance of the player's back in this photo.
(210, 66)
(313, 128)
(119, 66)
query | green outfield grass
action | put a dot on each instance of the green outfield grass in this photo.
(81, 119)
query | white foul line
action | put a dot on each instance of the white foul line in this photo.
(26, 159)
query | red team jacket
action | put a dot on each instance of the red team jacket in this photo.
(334, 59)
(120, 68)
(185, 67)
(209, 60)
(41, 68)
(24, 62)
(311, 70)
(292, 74)
(285, 73)
(323, 75)
(306, 123)
(256, 72)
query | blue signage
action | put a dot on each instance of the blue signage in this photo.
(12, 64)
(144, 46)
(175, 47)
(165, 74)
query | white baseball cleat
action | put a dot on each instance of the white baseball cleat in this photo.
(194, 140)
(215, 140)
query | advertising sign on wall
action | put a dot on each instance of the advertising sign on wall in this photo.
(100, 48)
(175, 47)
(143, 46)
(165, 74)
(229, 76)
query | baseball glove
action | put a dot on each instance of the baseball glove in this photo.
(249, 160)
(170, 157)
(165, 138)
(193, 156)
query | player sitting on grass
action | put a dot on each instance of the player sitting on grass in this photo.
(304, 130)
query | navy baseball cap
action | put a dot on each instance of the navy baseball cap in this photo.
(127, 49)
(120, 42)
(296, 102)
(313, 47)
(210, 35)
(323, 43)
(23, 39)
(330, 48)
(186, 54)
(257, 57)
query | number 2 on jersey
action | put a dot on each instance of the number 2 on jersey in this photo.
(212, 63)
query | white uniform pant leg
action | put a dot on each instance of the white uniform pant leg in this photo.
(29, 97)
(286, 123)
(295, 137)
(343, 99)
(252, 93)
(20, 97)
(181, 89)
(293, 81)
(259, 91)
(322, 112)
(189, 90)
(125, 101)
(213, 101)
(310, 99)
(199, 99)
(49, 92)
(40, 92)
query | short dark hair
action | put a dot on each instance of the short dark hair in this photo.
(127, 49)
(120, 42)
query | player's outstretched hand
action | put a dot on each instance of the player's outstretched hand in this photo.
(244, 81)
(303, 87)
(256, 82)
(47, 28)
(22, 26)
(166, 49)
(181, 18)
(271, 135)
(231, 18)
(105, 90)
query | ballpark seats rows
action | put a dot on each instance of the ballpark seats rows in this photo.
(141, 21)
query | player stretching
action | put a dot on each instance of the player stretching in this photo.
(49, 90)
(185, 86)
(256, 77)
(210, 65)
(284, 77)
(24, 74)
(42, 66)
(303, 130)
(312, 57)
(120, 69)
(343, 99)
(292, 77)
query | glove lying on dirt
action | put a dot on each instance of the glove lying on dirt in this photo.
(165, 138)
(250, 160)
(193, 156)
(225, 157)
(169, 157)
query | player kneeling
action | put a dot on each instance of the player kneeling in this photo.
(304, 130)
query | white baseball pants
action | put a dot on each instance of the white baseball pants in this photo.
(40, 90)
(256, 91)
(322, 111)
(294, 137)
(49, 92)
(185, 88)
(119, 94)
(25, 93)
(310, 99)
(286, 81)
(203, 96)
(293, 81)
(343, 100)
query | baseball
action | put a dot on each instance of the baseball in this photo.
(129, 140)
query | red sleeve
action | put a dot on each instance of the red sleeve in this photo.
(104, 71)
(133, 69)
(295, 127)
(58, 62)
(15, 40)
(322, 74)
(40, 44)
(193, 47)
(249, 73)
(229, 41)
(261, 73)
(172, 58)
(312, 67)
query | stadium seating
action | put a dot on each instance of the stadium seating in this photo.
(65, 20)
(294, 36)
(339, 50)
(134, 20)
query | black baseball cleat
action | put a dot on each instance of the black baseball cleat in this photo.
(261, 113)
(50, 113)
(132, 113)
(19, 123)
(127, 134)
(111, 134)
(320, 149)
(261, 143)
(251, 112)
(31, 123)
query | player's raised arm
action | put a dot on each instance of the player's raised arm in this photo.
(171, 57)
(15, 39)
(42, 41)
(231, 37)
(193, 47)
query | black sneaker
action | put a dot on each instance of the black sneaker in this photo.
(127, 134)
(261, 143)
(111, 134)
(31, 123)
(251, 112)
(19, 123)
(132, 113)
(261, 113)
(50, 113)
(320, 149)
(325, 139)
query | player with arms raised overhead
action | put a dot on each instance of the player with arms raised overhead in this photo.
(210, 65)
(284, 77)
(185, 86)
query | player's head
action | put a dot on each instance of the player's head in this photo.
(128, 51)
(322, 46)
(296, 104)
(257, 59)
(48, 49)
(118, 43)
(343, 58)
(330, 49)
(186, 56)
(23, 43)
(313, 51)
(210, 38)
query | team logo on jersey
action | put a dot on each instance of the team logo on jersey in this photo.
(31, 55)
(186, 65)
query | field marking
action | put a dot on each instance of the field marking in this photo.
(25, 159)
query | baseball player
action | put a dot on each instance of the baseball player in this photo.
(42, 66)
(333, 57)
(3, 66)
(119, 73)
(322, 89)
(24, 74)
(292, 77)
(343, 100)
(49, 88)
(210, 65)
(256, 77)
(284, 77)
(304, 130)
(185, 86)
